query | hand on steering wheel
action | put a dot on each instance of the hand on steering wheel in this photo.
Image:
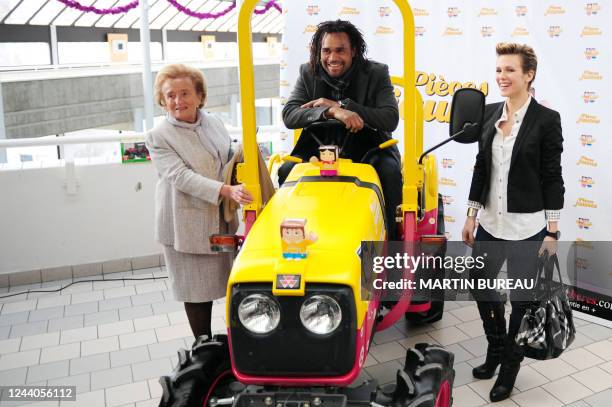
(321, 102)
(352, 121)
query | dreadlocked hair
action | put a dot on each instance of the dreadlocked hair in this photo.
(337, 26)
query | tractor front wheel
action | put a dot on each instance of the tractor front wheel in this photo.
(427, 378)
(202, 373)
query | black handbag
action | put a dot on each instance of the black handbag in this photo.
(547, 328)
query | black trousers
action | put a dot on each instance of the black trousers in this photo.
(522, 263)
(388, 166)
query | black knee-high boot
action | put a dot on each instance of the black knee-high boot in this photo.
(199, 315)
(510, 366)
(494, 323)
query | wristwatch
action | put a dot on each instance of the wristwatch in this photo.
(556, 234)
(344, 103)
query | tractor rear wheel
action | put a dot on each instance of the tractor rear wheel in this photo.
(427, 378)
(202, 373)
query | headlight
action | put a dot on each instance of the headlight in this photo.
(321, 314)
(259, 313)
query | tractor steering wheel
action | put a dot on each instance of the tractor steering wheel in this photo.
(332, 126)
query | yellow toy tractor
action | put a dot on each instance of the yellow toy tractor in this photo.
(299, 325)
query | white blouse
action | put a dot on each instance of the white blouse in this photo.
(495, 217)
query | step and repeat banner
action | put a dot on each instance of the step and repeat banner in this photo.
(455, 47)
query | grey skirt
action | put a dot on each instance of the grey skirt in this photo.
(197, 277)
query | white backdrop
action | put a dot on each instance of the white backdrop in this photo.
(455, 42)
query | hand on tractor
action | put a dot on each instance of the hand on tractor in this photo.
(237, 193)
(351, 120)
(468, 231)
(321, 102)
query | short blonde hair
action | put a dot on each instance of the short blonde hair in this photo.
(529, 60)
(175, 71)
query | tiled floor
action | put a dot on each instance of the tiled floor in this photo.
(112, 340)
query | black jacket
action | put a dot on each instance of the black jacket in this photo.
(535, 181)
(370, 93)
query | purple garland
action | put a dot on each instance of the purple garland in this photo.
(124, 9)
(90, 9)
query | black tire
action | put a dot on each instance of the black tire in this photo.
(428, 374)
(436, 311)
(203, 371)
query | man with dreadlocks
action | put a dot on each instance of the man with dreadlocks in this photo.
(340, 83)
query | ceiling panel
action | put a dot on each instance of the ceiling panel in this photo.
(181, 20)
(88, 19)
(69, 15)
(131, 16)
(47, 13)
(212, 6)
(154, 11)
(6, 6)
(24, 11)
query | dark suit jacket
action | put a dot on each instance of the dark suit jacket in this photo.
(535, 180)
(370, 93)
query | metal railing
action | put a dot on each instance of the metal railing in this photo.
(119, 138)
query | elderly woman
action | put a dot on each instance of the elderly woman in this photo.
(189, 149)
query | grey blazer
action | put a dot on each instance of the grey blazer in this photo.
(187, 193)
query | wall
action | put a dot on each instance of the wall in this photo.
(54, 102)
(41, 226)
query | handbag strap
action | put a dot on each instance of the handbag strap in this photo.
(546, 265)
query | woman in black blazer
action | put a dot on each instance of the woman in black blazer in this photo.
(517, 187)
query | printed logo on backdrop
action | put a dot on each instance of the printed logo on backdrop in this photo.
(584, 223)
(591, 75)
(581, 263)
(554, 10)
(310, 28)
(487, 12)
(313, 10)
(419, 31)
(591, 53)
(587, 140)
(585, 203)
(554, 31)
(590, 31)
(453, 12)
(448, 163)
(487, 31)
(588, 118)
(349, 11)
(447, 200)
(285, 48)
(521, 11)
(282, 64)
(449, 219)
(420, 12)
(590, 97)
(520, 32)
(284, 84)
(384, 11)
(592, 8)
(382, 30)
(448, 182)
(586, 161)
(586, 182)
(584, 244)
(451, 31)
(439, 110)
